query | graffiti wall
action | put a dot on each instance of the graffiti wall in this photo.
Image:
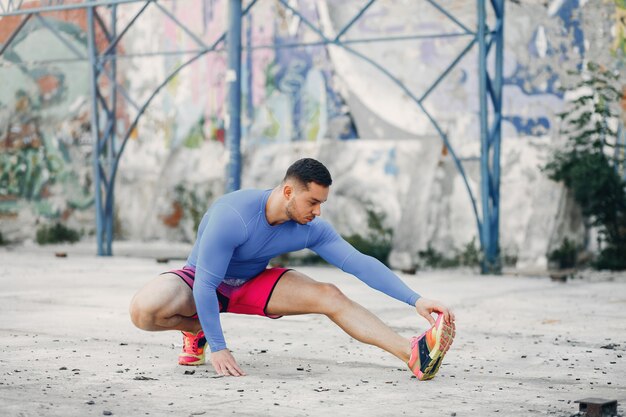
(294, 91)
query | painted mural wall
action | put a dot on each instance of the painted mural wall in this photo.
(314, 99)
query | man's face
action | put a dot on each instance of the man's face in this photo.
(305, 204)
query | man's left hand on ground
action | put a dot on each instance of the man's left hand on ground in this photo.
(426, 307)
(225, 364)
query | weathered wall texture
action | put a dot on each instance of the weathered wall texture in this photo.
(303, 101)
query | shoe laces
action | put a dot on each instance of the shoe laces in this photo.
(190, 342)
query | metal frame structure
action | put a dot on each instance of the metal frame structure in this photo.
(109, 146)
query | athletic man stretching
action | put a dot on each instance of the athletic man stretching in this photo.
(226, 272)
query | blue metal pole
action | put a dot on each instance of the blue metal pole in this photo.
(233, 80)
(249, 73)
(498, 6)
(111, 153)
(95, 128)
(485, 232)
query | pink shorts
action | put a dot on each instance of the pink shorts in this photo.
(250, 298)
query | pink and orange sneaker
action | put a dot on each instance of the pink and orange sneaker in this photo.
(428, 350)
(193, 349)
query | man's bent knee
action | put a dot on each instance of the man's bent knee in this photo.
(164, 297)
(142, 316)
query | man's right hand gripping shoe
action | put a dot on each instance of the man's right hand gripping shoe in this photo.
(193, 349)
(428, 350)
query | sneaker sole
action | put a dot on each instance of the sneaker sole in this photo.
(198, 361)
(444, 337)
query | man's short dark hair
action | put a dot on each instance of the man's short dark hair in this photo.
(308, 170)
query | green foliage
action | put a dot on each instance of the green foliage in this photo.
(584, 167)
(611, 257)
(195, 136)
(565, 255)
(56, 234)
(471, 256)
(377, 242)
(377, 248)
(2, 241)
(434, 259)
(193, 202)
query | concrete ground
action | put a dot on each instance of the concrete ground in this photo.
(524, 346)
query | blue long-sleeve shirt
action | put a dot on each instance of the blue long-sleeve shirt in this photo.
(235, 243)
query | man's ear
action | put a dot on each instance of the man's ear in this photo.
(287, 191)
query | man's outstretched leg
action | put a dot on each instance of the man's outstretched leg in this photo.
(295, 293)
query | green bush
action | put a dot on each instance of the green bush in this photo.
(2, 241)
(584, 167)
(56, 234)
(471, 256)
(565, 255)
(432, 258)
(374, 247)
(377, 242)
(193, 202)
(611, 257)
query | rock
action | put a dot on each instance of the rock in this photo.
(611, 346)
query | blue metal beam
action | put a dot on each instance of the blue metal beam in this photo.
(233, 83)
(111, 133)
(86, 4)
(447, 70)
(490, 95)
(254, 47)
(498, 6)
(353, 20)
(181, 25)
(95, 133)
(450, 16)
(118, 38)
(17, 30)
(249, 73)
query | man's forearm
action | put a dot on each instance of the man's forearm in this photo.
(207, 305)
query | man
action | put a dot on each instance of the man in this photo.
(226, 272)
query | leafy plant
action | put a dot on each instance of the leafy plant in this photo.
(565, 255)
(585, 167)
(193, 202)
(377, 243)
(56, 234)
(432, 258)
(471, 256)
